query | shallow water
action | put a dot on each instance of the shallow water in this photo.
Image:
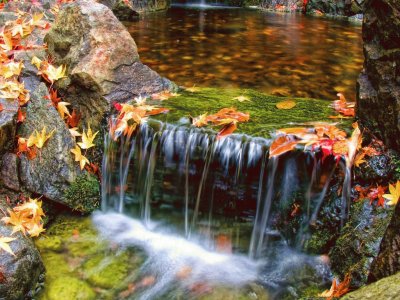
(284, 54)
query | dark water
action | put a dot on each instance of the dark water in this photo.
(284, 54)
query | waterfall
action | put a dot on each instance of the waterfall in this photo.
(197, 178)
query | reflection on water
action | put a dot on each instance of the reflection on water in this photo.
(286, 54)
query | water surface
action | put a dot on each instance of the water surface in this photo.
(284, 54)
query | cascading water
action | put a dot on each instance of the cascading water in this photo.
(222, 207)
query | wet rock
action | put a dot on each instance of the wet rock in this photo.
(6, 16)
(333, 7)
(131, 9)
(19, 275)
(102, 59)
(53, 170)
(354, 7)
(376, 168)
(387, 288)
(378, 104)
(8, 123)
(359, 241)
(388, 260)
(9, 171)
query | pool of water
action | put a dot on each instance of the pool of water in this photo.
(282, 54)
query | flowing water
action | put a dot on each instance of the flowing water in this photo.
(219, 208)
(284, 54)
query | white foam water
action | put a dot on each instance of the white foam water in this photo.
(169, 254)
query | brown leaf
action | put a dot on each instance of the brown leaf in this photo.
(226, 130)
(73, 119)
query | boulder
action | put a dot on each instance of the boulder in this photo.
(359, 240)
(388, 260)
(53, 170)
(387, 288)
(8, 123)
(378, 91)
(102, 58)
(19, 274)
(9, 172)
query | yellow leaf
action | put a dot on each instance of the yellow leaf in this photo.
(394, 195)
(79, 157)
(53, 74)
(74, 132)
(242, 99)
(200, 120)
(4, 241)
(32, 207)
(8, 43)
(287, 104)
(36, 62)
(87, 139)
(39, 139)
(17, 220)
(10, 69)
(62, 109)
(36, 230)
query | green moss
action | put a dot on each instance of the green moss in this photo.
(55, 265)
(223, 293)
(83, 195)
(69, 288)
(264, 116)
(106, 271)
(52, 243)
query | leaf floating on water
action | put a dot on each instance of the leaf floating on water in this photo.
(282, 145)
(287, 104)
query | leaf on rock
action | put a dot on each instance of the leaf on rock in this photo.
(227, 130)
(282, 145)
(394, 195)
(88, 138)
(79, 157)
(4, 244)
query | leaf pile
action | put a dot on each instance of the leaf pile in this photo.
(131, 114)
(26, 218)
(226, 117)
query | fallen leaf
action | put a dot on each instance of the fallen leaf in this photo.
(287, 104)
(79, 157)
(4, 241)
(282, 145)
(87, 139)
(394, 195)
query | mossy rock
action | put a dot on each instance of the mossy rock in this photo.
(265, 117)
(69, 288)
(387, 288)
(107, 271)
(84, 193)
(224, 293)
(55, 265)
(359, 241)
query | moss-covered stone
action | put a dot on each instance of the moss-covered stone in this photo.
(107, 271)
(224, 293)
(386, 288)
(359, 241)
(52, 243)
(264, 116)
(55, 265)
(84, 194)
(69, 288)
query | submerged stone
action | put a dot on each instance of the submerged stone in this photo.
(69, 288)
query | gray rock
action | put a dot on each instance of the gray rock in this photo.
(378, 103)
(102, 58)
(134, 8)
(6, 16)
(53, 170)
(29, 73)
(9, 171)
(19, 275)
(8, 122)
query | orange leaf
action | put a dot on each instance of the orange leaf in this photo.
(157, 111)
(1, 107)
(226, 130)
(287, 104)
(21, 115)
(282, 145)
(73, 119)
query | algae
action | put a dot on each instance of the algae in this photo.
(264, 116)
(83, 195)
